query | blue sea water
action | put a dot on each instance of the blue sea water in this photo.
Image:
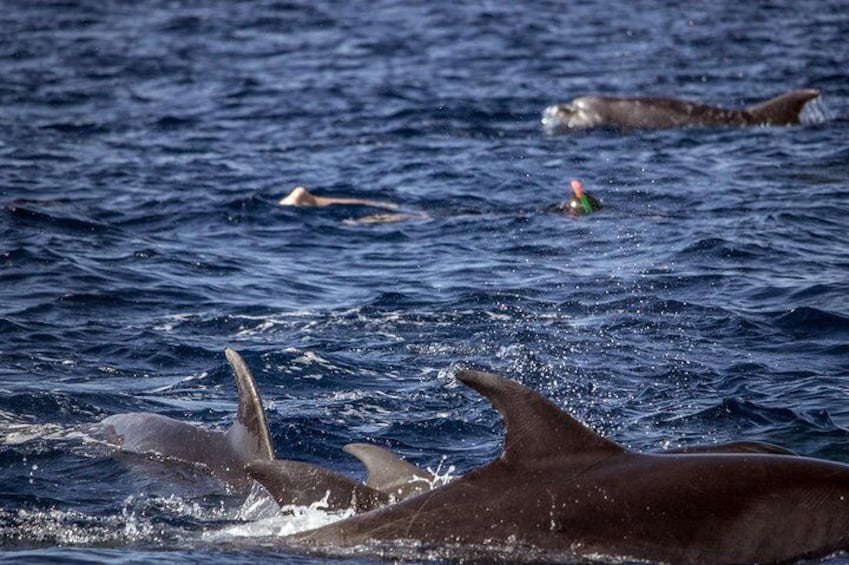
(144, 146)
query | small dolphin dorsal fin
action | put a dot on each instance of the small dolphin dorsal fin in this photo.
(784, 109)
(389, 473)
(303, 484)
(535, 427)
(248, 436)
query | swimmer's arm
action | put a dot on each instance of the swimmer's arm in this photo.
(332, 201)
(385, 219)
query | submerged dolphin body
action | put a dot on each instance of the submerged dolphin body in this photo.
(224, 454)
(293, 483)
(389, 473)
(661, 113)
(561, 492)
(390, 479)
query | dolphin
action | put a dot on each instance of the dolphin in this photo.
(660, 113)
(245, 452)
(561, 492)
(391, 479)
(389, 473)
(294, 483)
(222, 453)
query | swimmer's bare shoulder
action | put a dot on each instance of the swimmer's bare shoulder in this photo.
(300, 197)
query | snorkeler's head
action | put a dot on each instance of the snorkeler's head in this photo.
(580, 203)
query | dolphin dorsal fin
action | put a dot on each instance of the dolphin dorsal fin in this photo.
(535, 427)
(784, 109)
(303, 484)
(248, 436)
(389, 473)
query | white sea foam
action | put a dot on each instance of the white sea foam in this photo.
(441, 476)
(71, 527)
(18, 433)
(263, 518)
(815, 112)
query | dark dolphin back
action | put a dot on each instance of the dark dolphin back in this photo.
(660, 113)
(734, 447)
(303, 484)
(560, 492)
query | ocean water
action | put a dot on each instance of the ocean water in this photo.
(144, 146)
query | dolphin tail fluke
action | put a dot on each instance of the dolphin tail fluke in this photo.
(783, 110)
(248, 436)
(535, 427)
(303, 484)
(390, 474)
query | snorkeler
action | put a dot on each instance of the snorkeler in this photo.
(579, 204)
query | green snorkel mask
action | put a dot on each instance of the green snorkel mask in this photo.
(578, 190)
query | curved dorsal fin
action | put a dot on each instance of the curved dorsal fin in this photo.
(784, 109)
(248, 436)
(535, 427)
(389, 473)
(303, 484)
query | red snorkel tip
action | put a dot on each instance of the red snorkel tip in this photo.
(577, 188)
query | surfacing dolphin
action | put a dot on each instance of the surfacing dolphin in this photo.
(244, 452)
(390, 479)
(661, 113)
(223, 453)
(561, 492)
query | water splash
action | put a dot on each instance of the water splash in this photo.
(441, 476)
(815, 112)
(264, 519)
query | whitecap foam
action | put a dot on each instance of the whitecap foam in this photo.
(441, 476)
(815, 112)
(18, 434)
(70, 527)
